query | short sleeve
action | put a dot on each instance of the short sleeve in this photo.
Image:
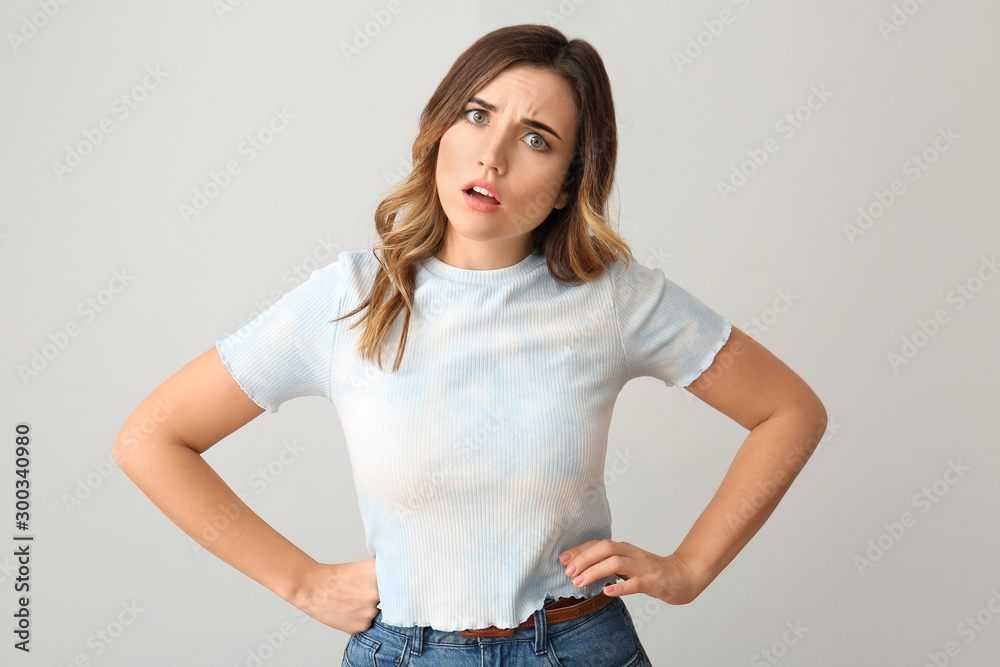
(667, 333)
(286, 351)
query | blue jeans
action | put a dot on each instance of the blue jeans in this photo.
(603, 638)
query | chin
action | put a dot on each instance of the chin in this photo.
(470, 223)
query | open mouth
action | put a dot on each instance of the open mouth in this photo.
(486, 199)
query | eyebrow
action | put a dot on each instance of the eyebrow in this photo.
(530, 122)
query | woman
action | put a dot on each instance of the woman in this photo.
(478, 456)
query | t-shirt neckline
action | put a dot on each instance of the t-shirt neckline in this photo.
(533, 260)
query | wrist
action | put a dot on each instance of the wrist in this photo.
(700, 570)
(299, 589)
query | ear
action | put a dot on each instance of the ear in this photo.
(563, 198)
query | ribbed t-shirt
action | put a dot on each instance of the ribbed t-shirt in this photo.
(480, 459)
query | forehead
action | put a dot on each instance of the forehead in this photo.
(532, 91)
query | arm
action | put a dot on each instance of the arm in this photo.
(159, 448)
(786, 421)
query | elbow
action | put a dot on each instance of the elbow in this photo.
(806, 416)
(811, 422)
(816, 412)
(812, 410)
(132, 443)
(807, 408)
(149, 426)
(121, 450)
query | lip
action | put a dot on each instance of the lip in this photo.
(478, 205)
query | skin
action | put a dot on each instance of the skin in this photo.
(160, 446)
(501, 150)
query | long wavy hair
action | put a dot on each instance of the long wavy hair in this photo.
(578, 240)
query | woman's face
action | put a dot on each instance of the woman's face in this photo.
(517, 134)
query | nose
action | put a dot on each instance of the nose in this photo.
(492, 151)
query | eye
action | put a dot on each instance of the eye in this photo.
(535, 140)
(482, 115)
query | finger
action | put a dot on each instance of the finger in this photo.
(591, 552)
(613, 565)
(620, 588)
(574, 552)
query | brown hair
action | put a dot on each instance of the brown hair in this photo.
(577, 240)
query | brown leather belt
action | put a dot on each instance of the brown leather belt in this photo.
(565, 609)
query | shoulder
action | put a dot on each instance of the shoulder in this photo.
(355, 271)
(323, 289)
(630, 274)
(351, 270)
(355, 261)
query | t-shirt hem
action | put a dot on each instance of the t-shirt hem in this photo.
(245, 391)
(581, 594)
(710, 359)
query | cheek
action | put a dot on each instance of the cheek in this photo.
(444, 166)
(448, 147)
(539, 191)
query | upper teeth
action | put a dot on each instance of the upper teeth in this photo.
(482, 191)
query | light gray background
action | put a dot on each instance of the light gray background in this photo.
(312, 191)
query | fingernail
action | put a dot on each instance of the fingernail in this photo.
(578, 580)
(563, 558)
(571, 570)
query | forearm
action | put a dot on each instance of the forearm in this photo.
(192, 495)
(768, 461)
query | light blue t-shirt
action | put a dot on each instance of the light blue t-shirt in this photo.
(482, 458)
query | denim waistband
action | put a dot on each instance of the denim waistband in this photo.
(419, 635)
